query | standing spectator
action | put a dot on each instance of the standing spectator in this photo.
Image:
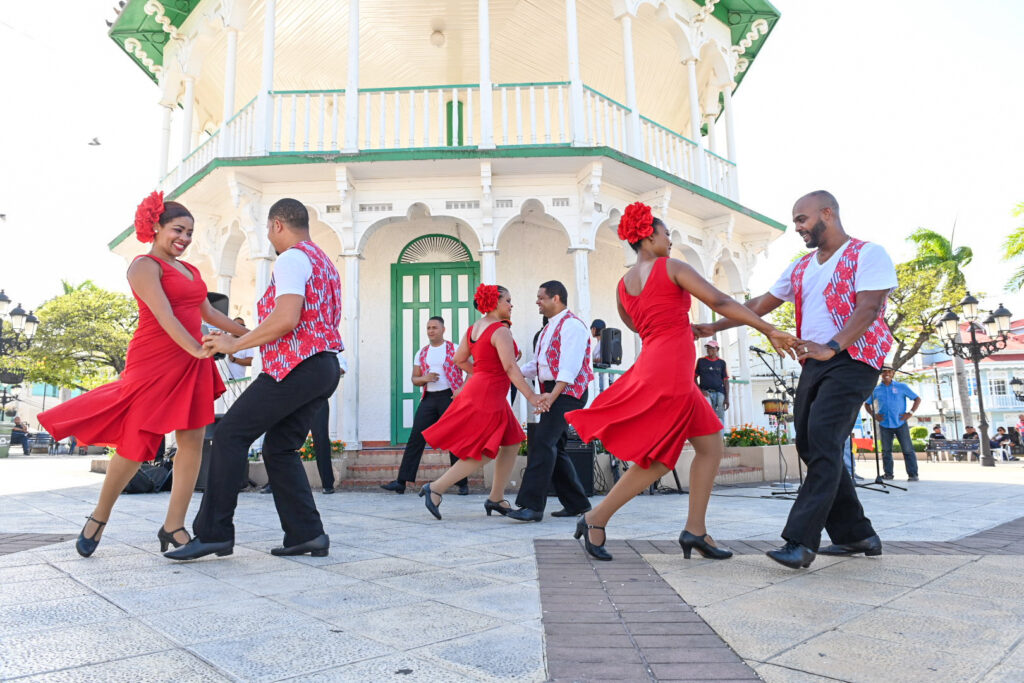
(1014, 442)
(888, 405)
(596, 328)
(19, 434)
(239, 362)
(713, 379)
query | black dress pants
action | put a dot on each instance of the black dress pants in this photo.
(322, 445)
(547, 461)
(827, 400)
(430, 410)
(284, 410)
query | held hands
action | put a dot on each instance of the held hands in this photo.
(701, 330)
(785, 343)
(541, 402)
(216, 342)
(809, 349)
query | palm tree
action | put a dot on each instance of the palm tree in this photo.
(1013, 247)
(936, 252)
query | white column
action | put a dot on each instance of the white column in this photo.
(486, 95)
(488, 265)
(709, 121)
(730, 139)
(350, 312)
(264, 102)
(224, 285)
(633, 131)
(352, 83)
(575, 80)
(700, 162)
(230, 63)
(188, 107)
(264, 267)
(165, 140)
(746, 394)
(582, 307)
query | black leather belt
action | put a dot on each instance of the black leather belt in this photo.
(438, 393)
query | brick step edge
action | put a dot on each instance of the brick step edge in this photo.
(476, 484)
(439, 468)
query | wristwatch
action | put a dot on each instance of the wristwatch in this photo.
(834, 345)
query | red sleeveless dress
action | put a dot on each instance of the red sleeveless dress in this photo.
(163, 388)
(649, 412)
(480, 420)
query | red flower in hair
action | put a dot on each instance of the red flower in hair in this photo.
(636, 223)
(147, 215)
(486, 298)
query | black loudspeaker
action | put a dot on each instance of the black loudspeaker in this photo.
(611, 346)
(204, 466)
(218, 301)
(582, 456)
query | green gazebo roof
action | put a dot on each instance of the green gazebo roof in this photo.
(134, 22)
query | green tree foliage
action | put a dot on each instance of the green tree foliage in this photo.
(1013, 248)
(82, 338)
(915, 306)
(935, 252)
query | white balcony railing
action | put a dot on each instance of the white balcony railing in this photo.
(436, 117)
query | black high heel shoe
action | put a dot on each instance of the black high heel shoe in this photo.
(583, 529)
(429, 501)
(491, 506)
(86, 546)
(166, 538)
(688, 542)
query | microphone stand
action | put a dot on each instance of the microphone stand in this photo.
(782, 386)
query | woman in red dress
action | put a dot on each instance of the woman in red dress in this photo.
(649, 413)
(169, 381)
(480, 421)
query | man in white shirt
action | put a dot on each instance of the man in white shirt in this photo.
(240, 361)
(433, 370)
(561, 361)
(839, 291)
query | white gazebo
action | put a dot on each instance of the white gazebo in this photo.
(440, 144)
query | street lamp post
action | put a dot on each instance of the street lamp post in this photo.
(997, 328)
(1017, 385)
(22, 327)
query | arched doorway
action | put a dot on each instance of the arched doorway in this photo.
(434, 275)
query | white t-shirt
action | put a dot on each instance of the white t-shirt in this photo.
(874, 271)
(291, 271)
(573, 350)
(238, 371)
(435, 361)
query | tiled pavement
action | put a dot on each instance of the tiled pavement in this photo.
(471, 598)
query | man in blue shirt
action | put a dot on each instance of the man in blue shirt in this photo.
(888, 405)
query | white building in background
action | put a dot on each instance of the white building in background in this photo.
(441, 144)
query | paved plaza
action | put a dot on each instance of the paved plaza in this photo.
(473, 598)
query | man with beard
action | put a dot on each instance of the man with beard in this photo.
(839, 291)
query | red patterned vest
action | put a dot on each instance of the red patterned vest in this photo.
(318, 325)
(585, 375)
(840, 299)
(452, 372)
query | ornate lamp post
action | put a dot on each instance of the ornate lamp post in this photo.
(1017, 384)
(17, 336)
(997, 328)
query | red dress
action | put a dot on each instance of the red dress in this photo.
(650, 411)
(480, 420)
(163, 387)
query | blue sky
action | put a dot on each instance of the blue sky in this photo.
(907, 111)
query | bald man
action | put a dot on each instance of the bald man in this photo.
(839, 291)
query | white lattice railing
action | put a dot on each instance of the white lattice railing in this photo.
(434, 117)
(531, 114)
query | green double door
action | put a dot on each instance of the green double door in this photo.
(418, 292)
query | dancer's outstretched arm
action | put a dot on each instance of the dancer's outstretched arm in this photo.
(504, 345)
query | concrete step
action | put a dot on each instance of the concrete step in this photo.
(427, 472)
(739, 475)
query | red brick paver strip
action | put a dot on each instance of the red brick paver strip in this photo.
(14, 543)
(620, 621)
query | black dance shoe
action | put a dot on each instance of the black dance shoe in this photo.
(701, 544)
(428, 500)
(491, 506)
(396, 486)
(464, 490)
(793, 555)
(318, 547)
(328, 490)
(196, 548)
(870, 546)
(86, 545)
(583, 529)
(525, 515)
(166, 538)
(566, 513)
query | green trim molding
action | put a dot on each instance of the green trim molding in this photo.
(739, 16)
(444, 153)
(134, 22)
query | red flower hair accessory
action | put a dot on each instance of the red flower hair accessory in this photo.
(147, 215)
(636, 223)
(486, 298)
